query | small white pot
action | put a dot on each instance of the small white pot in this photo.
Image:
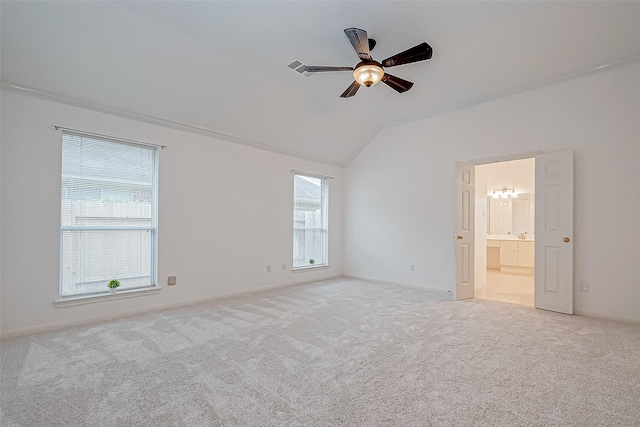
(112, 291)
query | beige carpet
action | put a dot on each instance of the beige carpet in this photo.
(340, 352)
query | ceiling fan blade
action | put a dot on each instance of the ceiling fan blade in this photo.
(351, 90)
(372, 44)
(359, 41)
(396, 83)
(321, 68)
(417, 53)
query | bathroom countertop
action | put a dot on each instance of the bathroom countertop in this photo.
(510, 237)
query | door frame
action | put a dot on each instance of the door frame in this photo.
(505, 158)
(500, 159)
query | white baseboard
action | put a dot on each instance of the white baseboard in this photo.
(576, 312)
(94, 320)
(100, 319)
(605, 317)
(413, 285)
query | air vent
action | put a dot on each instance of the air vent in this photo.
(300, 67)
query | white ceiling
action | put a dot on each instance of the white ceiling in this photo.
(221, 67)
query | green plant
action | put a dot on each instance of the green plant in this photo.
(311, 261)
(113, 284)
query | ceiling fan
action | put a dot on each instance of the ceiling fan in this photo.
(368, 71)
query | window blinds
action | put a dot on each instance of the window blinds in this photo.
(108, 214)
(309, 221)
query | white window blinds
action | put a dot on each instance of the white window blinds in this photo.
(108, 214)
(309, 221)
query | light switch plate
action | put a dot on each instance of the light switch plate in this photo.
(171, 281)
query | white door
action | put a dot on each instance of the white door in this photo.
(464, 238)
(554, 232)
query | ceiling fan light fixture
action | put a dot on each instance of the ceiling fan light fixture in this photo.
(368, 74)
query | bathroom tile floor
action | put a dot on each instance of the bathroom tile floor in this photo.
(507, 287)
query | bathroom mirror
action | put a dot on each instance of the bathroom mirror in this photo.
(511, 215)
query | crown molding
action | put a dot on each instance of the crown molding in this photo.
(132, 115)
(120, 112)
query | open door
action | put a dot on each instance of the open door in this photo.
(465, 221)
(554, 232)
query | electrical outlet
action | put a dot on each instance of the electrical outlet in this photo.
(268, 268)
(584, 286)
(171, 281)
(412, 267)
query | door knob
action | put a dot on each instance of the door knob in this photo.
(566, 240)
(460, 237)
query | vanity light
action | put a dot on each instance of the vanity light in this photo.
(504, 192)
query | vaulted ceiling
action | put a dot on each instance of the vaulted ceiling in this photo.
(220, 68)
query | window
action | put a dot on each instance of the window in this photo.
(309, 221)
(108, 215)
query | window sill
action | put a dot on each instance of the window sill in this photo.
(90, 299)
(309, 267)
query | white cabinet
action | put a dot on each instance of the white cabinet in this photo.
(509, 252)
(526, 254)
(493, 254)
(516, 256)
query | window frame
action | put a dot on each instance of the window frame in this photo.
(324, 194)
(152, 228)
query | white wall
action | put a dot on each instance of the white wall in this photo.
(225, 212)
(399, 201)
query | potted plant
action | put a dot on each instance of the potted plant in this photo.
(112, 285)
(312, 261)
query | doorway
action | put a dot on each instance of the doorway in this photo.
(553, 252)
(505, 231)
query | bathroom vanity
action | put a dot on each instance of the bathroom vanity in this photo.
(511, 254)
